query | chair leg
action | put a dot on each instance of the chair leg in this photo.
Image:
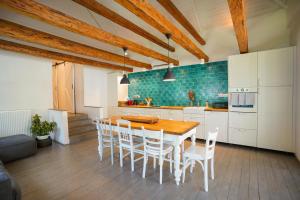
(183, 169)
(205, 176)
(212, 170)
(171, 165)
(154, 162)
(145, 165)
(132, 159)
(191, 167)
(121, 156)
(112, 152)
(100, 150)
(161, 162)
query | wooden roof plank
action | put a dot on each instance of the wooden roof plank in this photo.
(54, 17)
(27, 34)
(237, 10)
(20, 48)
(149, 14)
(100, 9)
(175, 12)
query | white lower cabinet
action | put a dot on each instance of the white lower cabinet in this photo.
(243, 128)
(241, 136)
(175, 115)
(197, 118)
(153, 112)
(243, 120)
(215, 120)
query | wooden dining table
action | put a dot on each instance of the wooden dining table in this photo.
(175, 132)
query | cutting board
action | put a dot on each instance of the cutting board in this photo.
(141, 119)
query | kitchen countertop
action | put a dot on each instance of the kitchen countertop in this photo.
(217, 109)
(175, 108)
(155, 107)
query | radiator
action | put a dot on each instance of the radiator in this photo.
(15, 122)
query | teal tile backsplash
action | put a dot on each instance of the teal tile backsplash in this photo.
(206, 81)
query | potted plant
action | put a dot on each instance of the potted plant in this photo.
(41, 129)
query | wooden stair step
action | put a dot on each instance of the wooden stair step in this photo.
(77, 123)
(82, 129)
(83, 136)
(77, 116)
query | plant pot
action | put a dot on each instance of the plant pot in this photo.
(42, 137)
(44, 143)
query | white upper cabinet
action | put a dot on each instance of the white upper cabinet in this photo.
(242, 70)
(275, 114)
(275, 67)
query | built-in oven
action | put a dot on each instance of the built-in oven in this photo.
(242, 100)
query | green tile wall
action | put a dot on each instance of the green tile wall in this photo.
(205, 80)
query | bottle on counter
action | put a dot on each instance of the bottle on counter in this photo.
(206, 104)
(199, 102)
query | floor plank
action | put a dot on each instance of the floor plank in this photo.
(75, 172)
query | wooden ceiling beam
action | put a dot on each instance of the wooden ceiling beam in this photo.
(100, 9)
(19, 48)
(24, 33)
(175, 12)
(54, 17)
(237, 10)
(149, 14)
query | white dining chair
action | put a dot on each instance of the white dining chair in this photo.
(106, 138)
(128, 142)
(201, 155)
(155, 147)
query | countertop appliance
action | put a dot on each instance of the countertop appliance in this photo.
(220, 105)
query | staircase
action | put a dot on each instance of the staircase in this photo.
(80, 127)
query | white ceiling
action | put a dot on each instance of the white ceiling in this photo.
(211, 18)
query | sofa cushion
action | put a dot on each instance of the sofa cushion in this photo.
(14, 140)
(16, 147)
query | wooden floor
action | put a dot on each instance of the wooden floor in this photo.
(75, 172)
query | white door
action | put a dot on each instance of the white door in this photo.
(215, 120)
(242, 70)
(275, 128)
(275, 67)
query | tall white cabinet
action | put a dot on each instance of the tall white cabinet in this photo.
(275, 99)
(271, 72)
(242, 71)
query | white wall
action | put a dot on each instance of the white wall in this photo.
(94, 87)
(122, 89)
(116, 91)
(25, 83)
(293, 16)
(79, 91)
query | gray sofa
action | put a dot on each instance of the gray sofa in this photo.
(13, 148)
(9, 189)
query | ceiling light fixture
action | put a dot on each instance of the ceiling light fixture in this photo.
(125, 80)
(169, 76)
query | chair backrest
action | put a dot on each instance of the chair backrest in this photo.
(153, 141)
(104, 128)
(124, 133)
(211, 143)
